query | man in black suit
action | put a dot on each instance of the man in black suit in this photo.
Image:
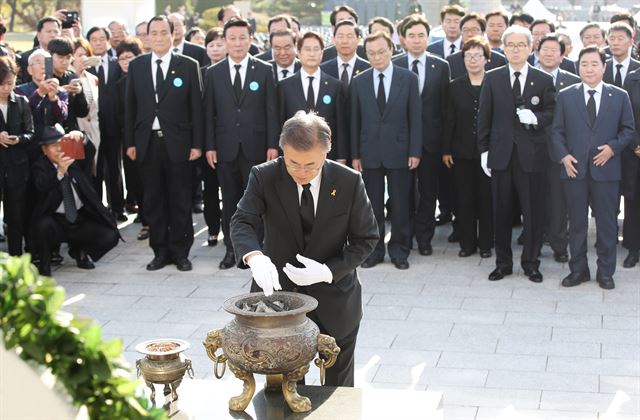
(242, 125)
(316, 213)
(497, 23)
(450, 16)
(551, 49)
(630, 185)
(68, 208)
(276, 24)
(163, 132)
(313, 90)
(592, 125)
(229, 11)
(472, 24)
(540, 28)
(110, 154)
(386, 142)
(620, 64)
(118, 31)
(433, 78)
(48, 27)
(516, 107)
(624, 17)
(285, 64)
(338, 14)
(180, 46)
(347, 63)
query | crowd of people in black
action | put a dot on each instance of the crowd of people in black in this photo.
(494, 124)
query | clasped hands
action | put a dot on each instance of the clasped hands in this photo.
(265, 273)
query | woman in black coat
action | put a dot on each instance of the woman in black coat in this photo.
(460, 152)
(630, 186)
(16, 134)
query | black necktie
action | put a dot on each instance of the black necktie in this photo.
(517, 90)
(311, 100)
(591, 107)
(237, 82)
(306, 211)
(284, 73)
(344, 77)
(381, 96)
(101, 74)
(414, 67)
(618, 79)
(175, 50)
(159, 74)
(452, 47)
(70, 210)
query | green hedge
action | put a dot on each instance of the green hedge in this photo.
(92, 371)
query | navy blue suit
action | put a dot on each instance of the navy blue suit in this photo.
(572, 133)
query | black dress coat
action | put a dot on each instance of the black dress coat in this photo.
(14, 160)
(630, 185)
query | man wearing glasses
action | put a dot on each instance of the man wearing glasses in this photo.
(318, 227)
(516, 108)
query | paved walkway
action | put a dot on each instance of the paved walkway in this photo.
(499, 350)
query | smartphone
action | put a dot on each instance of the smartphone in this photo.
(70, 18)
(74, 82)
(73, 149)
(48, 68)
(91, 61)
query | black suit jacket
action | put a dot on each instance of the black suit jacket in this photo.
(437, 48)
(331, 67)
(566, 64)
(433, 99)
(107, 102)
(630, 186)
(386, 140)
(14, 160)
(330, 53)
(265, 56)
(565, 79)
(178, 108)
(461, 119)
(196, 52)
(499, 128)
(609, 70)
(344, 234)
(250, 124)
(456, 63)
(296, 68)
(23, 63)
(330, 105)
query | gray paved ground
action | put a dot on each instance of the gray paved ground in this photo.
(509, 349)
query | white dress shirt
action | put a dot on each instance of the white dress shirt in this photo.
(164, 66)
(304, 77)
(243, 69)
(104, 62)
(623, 70)
(596, 96)
(523, 76)
(315, 190)
(422, 62)
(388, 74)
(290, 70)
(351, 64)
(447, 46)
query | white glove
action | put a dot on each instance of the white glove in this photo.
(313, 273)
(264, 273)
(527, 116)
(484, 156)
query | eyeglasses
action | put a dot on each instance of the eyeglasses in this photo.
(296, 167)
(471, 30)
(519, 45)
(473, 57)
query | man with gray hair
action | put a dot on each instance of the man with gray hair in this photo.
(318, 227)
(516, 109)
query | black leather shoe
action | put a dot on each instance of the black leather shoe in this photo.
(454, 237)
(485, 253)
(184, 264)
(631, 260)
(606, 283)
(499, 273)
(157, 263)
(561, 257)
(534, 275)
(121, 217)
(466, 253)
(401, 264)
(131, 208)
(83, 261)
(56, 258)
(228, 261)
(144, 233)
(198, 207)
(212, 240)
(425, 249)
(372, 262)
(443, 219)
(575, 279)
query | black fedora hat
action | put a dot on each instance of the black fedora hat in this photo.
(51, 134)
